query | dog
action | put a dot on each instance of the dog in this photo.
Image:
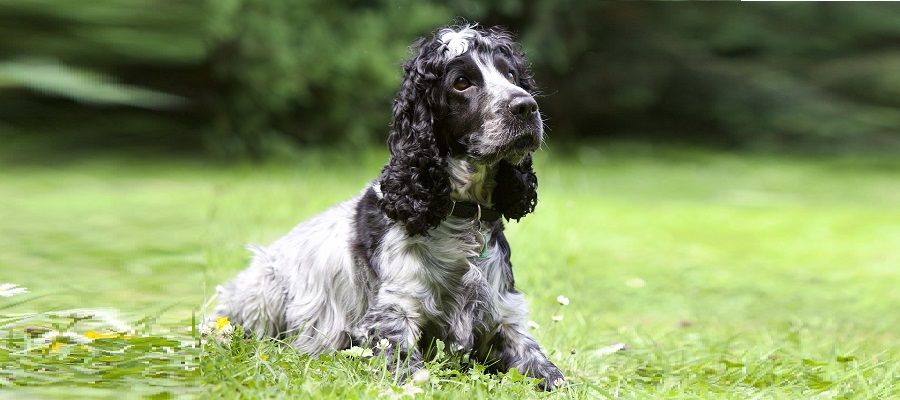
(420, 254)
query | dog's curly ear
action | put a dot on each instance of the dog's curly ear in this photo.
(415, 183)
(516, 192)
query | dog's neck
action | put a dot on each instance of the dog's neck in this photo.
(471, 181)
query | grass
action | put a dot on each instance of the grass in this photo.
(724, 275)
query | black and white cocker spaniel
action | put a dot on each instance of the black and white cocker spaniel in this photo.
(420, 254)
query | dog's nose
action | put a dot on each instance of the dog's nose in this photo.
(523, 106)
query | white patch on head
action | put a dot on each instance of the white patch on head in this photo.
(456, 43)
(495, 81)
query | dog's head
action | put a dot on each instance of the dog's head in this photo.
(466, 94)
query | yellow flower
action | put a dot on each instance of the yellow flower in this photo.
(263, 357)
(221, 323)
(92, 334)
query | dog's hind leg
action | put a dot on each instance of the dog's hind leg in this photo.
(255, 298)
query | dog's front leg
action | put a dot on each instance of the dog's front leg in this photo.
(392, 327)
(513, 347)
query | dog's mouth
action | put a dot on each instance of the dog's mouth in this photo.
(529, 142)
(518, 147)
(511, 150)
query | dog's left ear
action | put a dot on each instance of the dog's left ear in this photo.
(415, 184)
(516, 192)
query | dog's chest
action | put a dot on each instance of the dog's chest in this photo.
(464, 281)
(456, 255)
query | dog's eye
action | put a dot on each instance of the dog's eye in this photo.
(511, 75)
(461, 83)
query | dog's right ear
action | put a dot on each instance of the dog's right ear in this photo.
(415, 183)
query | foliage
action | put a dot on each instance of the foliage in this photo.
(320, 71)
(109, 72)
(688, 274)
(247, 76)
(763, 75)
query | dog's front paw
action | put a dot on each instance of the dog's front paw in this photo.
(552, 377)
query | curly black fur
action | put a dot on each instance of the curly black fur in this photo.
(516, 192)
(415, 183)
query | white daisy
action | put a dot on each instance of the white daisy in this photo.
(11, 289)
(226, 330)
(62, 337)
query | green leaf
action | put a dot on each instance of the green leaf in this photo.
(813, 363)
(842, 359)
(357, 351)
(53, 78)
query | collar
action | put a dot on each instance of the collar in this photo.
(474, 210)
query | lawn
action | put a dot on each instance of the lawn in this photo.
(690, 274)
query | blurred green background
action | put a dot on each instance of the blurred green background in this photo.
(721, 179)
(245, 78)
